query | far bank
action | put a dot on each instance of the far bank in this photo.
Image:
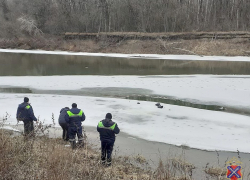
(190, 43)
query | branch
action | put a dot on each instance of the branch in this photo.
(164, 45)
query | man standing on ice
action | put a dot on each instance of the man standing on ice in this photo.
(107, 130)
(25, 113)
(74, 118)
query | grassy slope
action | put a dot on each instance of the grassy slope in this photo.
(118, 43)
(46, 158)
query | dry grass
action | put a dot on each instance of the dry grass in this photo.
(40, 157)
(104, 44)
(216, 172)
(45, 158)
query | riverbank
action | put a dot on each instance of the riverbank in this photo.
(104, 44)
(45, 158)
(146, 156)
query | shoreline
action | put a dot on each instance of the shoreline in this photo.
(171, 57)
(200, 47)
(153, 152)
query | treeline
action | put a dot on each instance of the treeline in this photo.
(91, 16)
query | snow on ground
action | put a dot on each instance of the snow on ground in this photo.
(148, 56)
(9, 128)
(207, 89)
(202, 129)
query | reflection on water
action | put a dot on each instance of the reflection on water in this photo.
(14, 64)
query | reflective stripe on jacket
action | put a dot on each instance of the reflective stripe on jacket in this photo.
(107, 130)
(74, 117)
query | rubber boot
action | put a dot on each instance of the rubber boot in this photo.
(80, 144)
(73, 144)
(108, 162)
(103, 162)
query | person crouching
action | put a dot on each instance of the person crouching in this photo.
(74, 118)
(63, 123)
(107, 130)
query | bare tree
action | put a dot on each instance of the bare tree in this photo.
(57, 16)
(29, 25)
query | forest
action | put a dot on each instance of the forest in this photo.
(92, 16)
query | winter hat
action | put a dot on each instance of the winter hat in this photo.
(74, 105)
(26, 99)
(109, 116)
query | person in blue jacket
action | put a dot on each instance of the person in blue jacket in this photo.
(74, 117)
(107, 130)
(63, 123)
(25, 113)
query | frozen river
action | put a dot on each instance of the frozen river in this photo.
(206, 111)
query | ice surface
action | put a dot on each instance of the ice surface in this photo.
(209, 89)
(203, 129)
(9, 128)
(147, 56)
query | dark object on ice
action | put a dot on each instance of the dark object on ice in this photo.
(138, 103)
(222, 108)
(157, 104)
(160, 106)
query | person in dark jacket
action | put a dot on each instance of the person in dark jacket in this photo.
(63, 123)
(107, 130)
(74, 118)
(25, 113)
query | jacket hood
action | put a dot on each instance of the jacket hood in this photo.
(107, 122)
(64, 109)
(23, 105)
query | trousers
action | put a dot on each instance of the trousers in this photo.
(65, 128)
(107, 148)
(73, 131)
(28, 128)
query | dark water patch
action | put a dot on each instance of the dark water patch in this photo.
(235, 77)
(114, 92)
(24, 64)
(128, 93)
(133, 94)
(117, 106)
(100, 100)
(172, 101)
(168, 76)
(15, 90)
(178, 118)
